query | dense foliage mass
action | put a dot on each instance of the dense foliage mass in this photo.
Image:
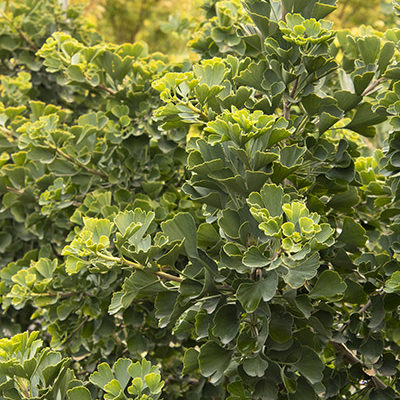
(222, 230)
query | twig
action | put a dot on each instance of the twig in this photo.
(360, 311)
(365, 307)
(79, 164)
(369, 89)
(123, 260)
(286, 110)
(13, 190)
(27, 40)
(61, 295)
(352, 359)
(294, 88)
(20, 32)
(286, 104)
(8, 133)
(77, 329)
(195, 109)
(284, 12)
(161, 274)
(168, 277)
(107, 89)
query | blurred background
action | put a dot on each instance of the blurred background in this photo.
(166, 24)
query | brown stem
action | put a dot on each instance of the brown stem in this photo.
(365, 307)
(84, 372)
(168, 277)
(107, 89)
(286, 110)
(70, 159)
(286, 104)
(196, 110)
(20, 32)
(61, 295)
(161, 274)
(27, 40)
(224, 287)
(77, 329)
(13, 190)
(353, 359)
(284, 12)
(372, 86)
(294, 88)
(8, 133)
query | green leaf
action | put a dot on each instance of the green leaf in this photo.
(310, 365)
(226, 323)
(304, 391)
(62, 168)
(165, 304)
(114, 388)
(300, 272)
(252, 76)
(385, 56)
(182, 228)
(250, 294)
(190, 361)
(140, 283)
(74, 264)
(207, 236)
(270, 197)
(329, 286)
(254, 258)
(352, 235)
(354, 293)
(136, 387)
(386, 394)
(369, 48)
(210, 72)
(280, 327)
(120, 369)
(79, 393)
(102, 376)
(213, 361)
(154, 383)
(371, 349)
(5, 241)
(255, 366)
(230, 223)
(392, 285)
(347, 100)
(365, 118)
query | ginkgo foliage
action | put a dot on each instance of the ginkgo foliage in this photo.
(223, 229)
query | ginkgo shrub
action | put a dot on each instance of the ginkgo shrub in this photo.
(226, 229)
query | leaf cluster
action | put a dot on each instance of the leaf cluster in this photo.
(234, 220)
